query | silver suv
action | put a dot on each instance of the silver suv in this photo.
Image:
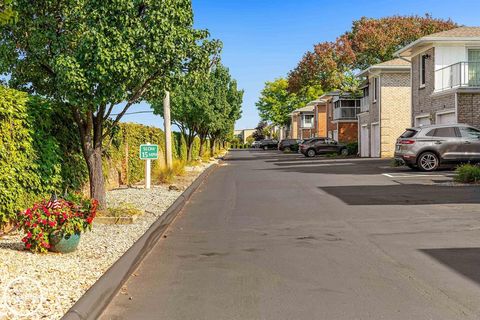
(427, 147)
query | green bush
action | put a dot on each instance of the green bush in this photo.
(39, 153)
(467, 173)
(352, 148)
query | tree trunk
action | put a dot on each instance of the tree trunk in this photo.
(95, 174)
(212, 147)
(91, 138)
(203, 139)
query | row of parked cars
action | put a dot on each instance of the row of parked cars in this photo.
(309, 147)
(424, 148)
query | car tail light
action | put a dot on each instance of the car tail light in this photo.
(406, 141)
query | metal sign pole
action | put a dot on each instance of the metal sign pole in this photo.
(148, 173)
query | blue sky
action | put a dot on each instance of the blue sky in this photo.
(264, 39)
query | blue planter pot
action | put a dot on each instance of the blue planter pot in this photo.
(64, 244)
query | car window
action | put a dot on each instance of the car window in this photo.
(431, 133)
(447, 132)
(409, 133)
(470, 133)
(320, 141)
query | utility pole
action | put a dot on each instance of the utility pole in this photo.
(168, 130)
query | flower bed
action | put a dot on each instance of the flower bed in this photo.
(64, 278)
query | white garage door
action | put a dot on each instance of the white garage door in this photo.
(335, 135)
(423, 121)
(447, 118)
(364, 142)
(375, 141)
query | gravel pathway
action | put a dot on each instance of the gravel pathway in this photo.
(45, 286)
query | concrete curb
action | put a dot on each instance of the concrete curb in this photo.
(97, 298)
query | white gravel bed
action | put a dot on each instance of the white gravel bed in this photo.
(58, 280)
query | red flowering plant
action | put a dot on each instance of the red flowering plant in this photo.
(72, 216)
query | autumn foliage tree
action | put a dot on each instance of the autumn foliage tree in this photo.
(376, 40)
(369, 41)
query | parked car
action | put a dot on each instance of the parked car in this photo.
(289, 145)
(268, 144)
(314, 146)
(427, 147)
(255, 144)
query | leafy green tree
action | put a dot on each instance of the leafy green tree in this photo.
(227, 107)
(7, 15)
(91, 56)
(276, 102)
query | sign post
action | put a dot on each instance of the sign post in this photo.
(148, 152)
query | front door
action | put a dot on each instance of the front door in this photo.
(474, 67)
(376, 140)
(364, 142)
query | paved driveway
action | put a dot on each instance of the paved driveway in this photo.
(274, 236)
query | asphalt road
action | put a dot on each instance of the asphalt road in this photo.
(273, 236)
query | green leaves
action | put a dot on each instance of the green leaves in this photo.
(276, 102)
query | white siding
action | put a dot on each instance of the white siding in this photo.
(446, 56)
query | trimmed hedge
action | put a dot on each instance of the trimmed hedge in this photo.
(40, 152)
(467, 173)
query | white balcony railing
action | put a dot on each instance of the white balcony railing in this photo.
(346, 113)
(365, 104)
(458, 75)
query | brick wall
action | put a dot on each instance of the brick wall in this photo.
(423, 100)
(468, 109)
(395, 108)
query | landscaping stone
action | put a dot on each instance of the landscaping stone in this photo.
(64, 278)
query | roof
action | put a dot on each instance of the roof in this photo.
(308, 108)
(394, 64)
(457, 34)
(315, 102)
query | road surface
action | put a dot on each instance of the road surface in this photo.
(273, 236)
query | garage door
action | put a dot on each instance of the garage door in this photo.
(423, 121)
(364, 142)
(447, 118)
(375, 141)
(335, 135)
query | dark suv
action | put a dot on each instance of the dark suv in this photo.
(268, 144)
(314, 146)
(427, 147)
(289, 145)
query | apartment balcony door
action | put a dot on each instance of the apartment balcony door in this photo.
(474, 67)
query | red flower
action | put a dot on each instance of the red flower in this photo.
(29, 235)
(27, 245)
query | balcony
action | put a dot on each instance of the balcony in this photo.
(365, 104)
(346, 113)
(346, 109)
(458, 75)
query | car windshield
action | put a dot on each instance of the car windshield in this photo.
(409, 133)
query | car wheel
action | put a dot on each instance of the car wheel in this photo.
(344, 152)
(311, 153)
(428, 161)
(265, 148)
(287, 149)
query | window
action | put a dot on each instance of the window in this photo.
(307, 121)
(375, 89)
(448, 132)
(408, 134)
(423, 62)
(470, 133)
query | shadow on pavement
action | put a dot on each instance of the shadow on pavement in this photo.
(464, 261)
(404, 194)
